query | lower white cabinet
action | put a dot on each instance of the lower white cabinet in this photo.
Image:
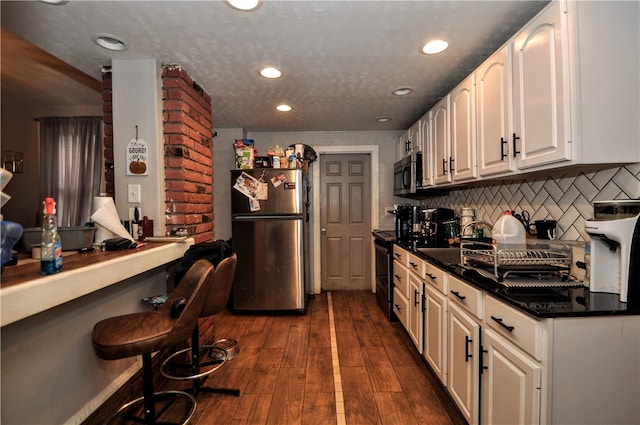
(463, 361)
(511, 383)
(435, 332)
(401, 307)
(415, 311)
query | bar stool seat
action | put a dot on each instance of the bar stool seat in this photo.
(147, 332)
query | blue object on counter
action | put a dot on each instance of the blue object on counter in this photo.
(10, 233)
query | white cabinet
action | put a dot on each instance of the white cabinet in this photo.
(463, 160)
(427, 150)
(511, 383)
(415, 311)
(401, 285)
(410, 142)
(541, 132)
(494, 113)
(435, 332)
(464, 360)
(463, 353)
(440, 133)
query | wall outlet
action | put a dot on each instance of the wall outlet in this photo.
(133, 193)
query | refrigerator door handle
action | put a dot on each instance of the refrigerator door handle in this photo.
(267, 217)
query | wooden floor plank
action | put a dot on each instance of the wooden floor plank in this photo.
(288, 397)
(394, 408)
(360, 406)
(319, 408)
(381, 373)
(319, 370)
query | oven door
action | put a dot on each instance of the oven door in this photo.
(384, 289)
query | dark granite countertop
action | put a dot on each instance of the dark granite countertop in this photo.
(537, 302)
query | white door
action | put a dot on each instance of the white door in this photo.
(345, 221)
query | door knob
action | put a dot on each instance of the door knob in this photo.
(323, 231)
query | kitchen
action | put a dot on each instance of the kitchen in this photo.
(566, 196)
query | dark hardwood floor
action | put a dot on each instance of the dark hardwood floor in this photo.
(287, 375)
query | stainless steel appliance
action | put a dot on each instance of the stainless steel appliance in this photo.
(269, 212)
(615, 249)
(435, 232)
(383, 243)
(407, 174)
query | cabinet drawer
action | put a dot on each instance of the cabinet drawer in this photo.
(465, 295)
(416, 265)
(435, 277)
(401, 278)
(524, 331)
(401, 255)
(401, 307)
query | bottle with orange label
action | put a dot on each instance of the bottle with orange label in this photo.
(51, 248)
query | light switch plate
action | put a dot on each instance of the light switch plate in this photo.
(133, 193)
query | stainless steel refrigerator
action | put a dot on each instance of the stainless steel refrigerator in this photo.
(269, 213)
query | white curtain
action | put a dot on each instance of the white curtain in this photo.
(70, 165)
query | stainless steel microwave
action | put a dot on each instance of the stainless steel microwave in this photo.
(407, 174)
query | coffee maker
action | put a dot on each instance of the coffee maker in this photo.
(615, 249)
(434, 232)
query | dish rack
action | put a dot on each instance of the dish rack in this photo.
(551, 258)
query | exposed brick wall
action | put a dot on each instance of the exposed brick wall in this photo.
(188, 154)
(107, 138)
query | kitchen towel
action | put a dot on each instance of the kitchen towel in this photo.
(107, 221)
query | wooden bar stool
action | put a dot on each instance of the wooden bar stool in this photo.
(147, 332)
(197, 362)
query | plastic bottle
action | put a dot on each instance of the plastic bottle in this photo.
(51, 249)
(508, 233)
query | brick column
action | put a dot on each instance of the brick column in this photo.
(188, 154)
(107, 128)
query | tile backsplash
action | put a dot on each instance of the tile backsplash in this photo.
(566, 196)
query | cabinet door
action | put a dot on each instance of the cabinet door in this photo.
(440, 131)
(435, 337)
(540, 106)
(462, 161)
(510, 383)
(415, 311)
(463, 361)
(401, 307)
(427, 149)
(493, 92)
(413, 136)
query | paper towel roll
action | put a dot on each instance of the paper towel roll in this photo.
(107, 221)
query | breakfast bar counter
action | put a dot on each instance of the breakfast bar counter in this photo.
(50, 373)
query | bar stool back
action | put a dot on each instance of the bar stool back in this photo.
(199, 361)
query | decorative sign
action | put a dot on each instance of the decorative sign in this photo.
(137, 158)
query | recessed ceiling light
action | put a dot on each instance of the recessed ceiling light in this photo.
(403, 91)
(55, 2)
(244, 5)
(383, 119)
(283, 108)
(435, 46)
(110, 42)
(270, 72)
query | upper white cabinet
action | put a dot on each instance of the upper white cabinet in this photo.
(558, 93)
(410, 142)
(427, 150)
(541, 133)
(441, 146)
(493, 93)
(463, 161)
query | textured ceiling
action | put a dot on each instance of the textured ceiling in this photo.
(340, 59)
